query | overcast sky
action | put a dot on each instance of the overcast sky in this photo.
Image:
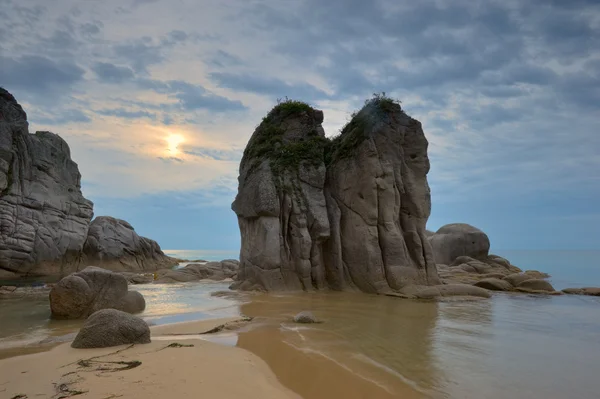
(157, 99)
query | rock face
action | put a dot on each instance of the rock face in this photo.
(44, 218)
(80, 294)
(195, 271)
(110, 327)
(113, 244)
(346, 213)
(458, 239)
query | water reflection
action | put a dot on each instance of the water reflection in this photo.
(368, 346)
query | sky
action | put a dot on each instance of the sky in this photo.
(158, 98)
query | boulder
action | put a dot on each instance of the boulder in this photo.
(111, 327)
(517, 278)
(80, 294)
(347, 213)
(305, 317)
(494, 284)
(592, 291)
(459, 239)
(44, 217)
(217, 271)
(113, 244)
(535, 285)
(451, 290)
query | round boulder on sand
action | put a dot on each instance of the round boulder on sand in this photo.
(80, 294)
(494, 284)
(111, 327)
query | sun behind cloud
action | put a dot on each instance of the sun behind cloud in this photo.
(173, 141)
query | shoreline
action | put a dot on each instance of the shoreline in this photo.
(162, 372)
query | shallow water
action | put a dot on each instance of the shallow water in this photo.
(26, 321)
(511, 346)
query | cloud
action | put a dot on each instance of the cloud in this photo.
(123, 113)
(269, 86)
(112, 73)
(193, 97)
(62, 118)
(37, 75)
(211, 153)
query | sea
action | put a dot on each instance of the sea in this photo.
(369, 346)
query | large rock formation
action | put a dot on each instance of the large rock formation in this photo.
(113, 244)
(346, 213)
(80, 294)
(44, 218)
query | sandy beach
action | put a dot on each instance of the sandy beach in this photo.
(155, 370)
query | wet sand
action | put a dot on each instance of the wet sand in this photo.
(207, 369)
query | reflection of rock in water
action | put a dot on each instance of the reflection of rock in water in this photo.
(368, 346)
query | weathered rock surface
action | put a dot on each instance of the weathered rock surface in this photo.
(80, 294)
(113, 244)
(111, 327)
(226, 269)
(345, 214)
(535, 285)
(44, 217)
(305, 317)
(459, 239)
(592, 291)
(494, 284)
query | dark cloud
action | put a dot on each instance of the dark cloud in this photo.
(37, 75)
(61, 117)
(194, 97)
(224, 59)
(91, 28)
(123, 113)
(267, 86)
(211, 153)
(174, 37)
(171, 159)
(146, 51)
(111, 73)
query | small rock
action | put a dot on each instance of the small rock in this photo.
(305, 317)
(536, 274)
(592, 291)
(111, 327)
(517, 278)
(494, 284)
(536, 285)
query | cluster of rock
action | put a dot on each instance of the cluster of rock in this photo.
(347, 213)
(216, 271)
(46, 223)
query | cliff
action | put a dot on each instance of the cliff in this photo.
(343, 213)
(44, 217)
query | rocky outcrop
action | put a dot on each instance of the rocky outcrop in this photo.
(217, 271)
(591, 291)
(110, 327)
(347, 213)
(80, 294)
(44, 217)
(113, 244)
(458, 239)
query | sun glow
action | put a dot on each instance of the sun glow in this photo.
(173, 141)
